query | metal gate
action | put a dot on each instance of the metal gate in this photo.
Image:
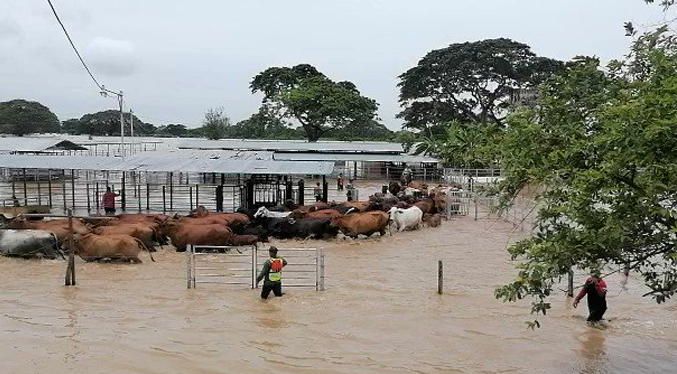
(239, 266)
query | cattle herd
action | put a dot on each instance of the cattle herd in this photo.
(124, 236)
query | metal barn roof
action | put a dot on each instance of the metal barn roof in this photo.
(228, 162)
(359, 157)
(294, 146)
(28, 144)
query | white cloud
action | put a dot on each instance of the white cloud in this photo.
(112, 57)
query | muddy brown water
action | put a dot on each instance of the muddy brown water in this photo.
(379, 314)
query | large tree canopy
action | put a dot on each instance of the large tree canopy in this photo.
(309, 97)
(22, 117)
(106, 123)
(601, 144)
(469, 82)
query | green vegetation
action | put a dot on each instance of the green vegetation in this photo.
(601, 143)
(106, 123)
(314, 101)
(21, 117)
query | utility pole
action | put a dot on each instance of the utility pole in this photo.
(105, 92)
(122, 126)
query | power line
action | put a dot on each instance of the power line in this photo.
(102, 88)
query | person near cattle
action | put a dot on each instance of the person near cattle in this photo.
(406, 176)
(595, 289)
(271, 274)
(109, 201)
(317, 191)
(339, 182)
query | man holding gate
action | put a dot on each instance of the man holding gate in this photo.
(272, 272)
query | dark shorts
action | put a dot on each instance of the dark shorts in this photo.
(275, 287)
(109, 210)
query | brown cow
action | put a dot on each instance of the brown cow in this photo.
(432, 220)
(324, 213)
(184, 234)
(244, 240)
(92, 247)
(58, 227)
(146, 234)
(366, 223)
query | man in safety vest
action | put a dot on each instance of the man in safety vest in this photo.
(272, 272)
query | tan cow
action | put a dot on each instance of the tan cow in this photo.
(58, 227)
(366, 223)
(92, 247)
(183, 234)
(432, 220)
(148, 235)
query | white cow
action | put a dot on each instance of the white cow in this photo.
(264, 212)
(409, 218)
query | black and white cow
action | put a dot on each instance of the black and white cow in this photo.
(29, 243)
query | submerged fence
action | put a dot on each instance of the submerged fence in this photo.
(239, 266)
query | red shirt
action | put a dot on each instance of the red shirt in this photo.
(600, 287)
(109, 200)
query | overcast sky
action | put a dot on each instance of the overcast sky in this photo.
(175, 59)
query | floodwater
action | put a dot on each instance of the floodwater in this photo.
(380, 313)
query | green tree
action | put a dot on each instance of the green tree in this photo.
(265, 125)
(316, 102)
(107, 123)
(362, 130)
(601, 144)
(469, 82)
(465, 145)
(174, 130)
(216, 124)
(20, 117)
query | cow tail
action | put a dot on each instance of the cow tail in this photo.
(143, 246)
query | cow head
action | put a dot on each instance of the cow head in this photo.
(262, 212)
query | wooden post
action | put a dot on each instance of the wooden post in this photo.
(171, 191)
(325, 189)
(147, 195)
(197, 195)
(70, 269)
(164, 200)
(440, 277)
(138, 194)
(570, 289)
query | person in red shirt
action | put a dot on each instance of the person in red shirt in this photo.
(595, 289)
(109, 201)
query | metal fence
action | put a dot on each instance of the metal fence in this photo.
(239, 266)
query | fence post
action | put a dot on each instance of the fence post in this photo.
(164, 201)
(73, 188)
(147, 196)
(49, 186)
(254, 249)
(70, 269)
(89, 204)
(124, 193)
(63, 189)
(440, 277)
(197, 195)
(475, 199)
(570, 289)
(321, 269)
(190, 197)
(37, 179)
(25, 188)
(171, 191)
(325, 190)
(317, 269)
(301, 192)
(138, 194)
(96, 198)
(189, 269)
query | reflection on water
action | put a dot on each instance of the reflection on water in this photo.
(380, 314)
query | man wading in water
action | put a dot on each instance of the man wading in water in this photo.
(272, 272)
(595, 288)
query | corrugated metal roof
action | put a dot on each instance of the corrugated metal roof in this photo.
(360, 157)
(228, 162)
(294, 145)
(26, 144)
